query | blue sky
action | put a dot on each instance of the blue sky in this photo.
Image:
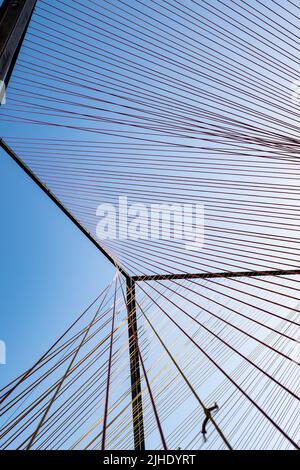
(49, 270)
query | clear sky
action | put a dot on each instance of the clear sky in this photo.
(49, 270)
(163, 75)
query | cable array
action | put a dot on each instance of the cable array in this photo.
(177, 103)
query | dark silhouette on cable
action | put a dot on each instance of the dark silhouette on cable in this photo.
(208, 412)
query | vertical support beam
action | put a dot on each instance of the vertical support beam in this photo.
(14, 19)
(137, 403)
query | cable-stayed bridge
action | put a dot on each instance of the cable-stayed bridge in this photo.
(164, 102)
